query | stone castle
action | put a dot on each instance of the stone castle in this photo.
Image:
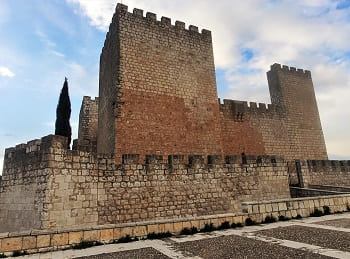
(157, 144)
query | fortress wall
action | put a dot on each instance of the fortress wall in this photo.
(158, 190)
(167, 86)
(254, 129)
(326, 172)
(82, 189)
(23, 187)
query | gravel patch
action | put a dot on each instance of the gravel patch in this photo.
(310, 235)
(144, 253)
(339, 223)
(240, 247)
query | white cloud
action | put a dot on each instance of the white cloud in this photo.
(310, 34)
(58, 54)
(45, 39)
(6, 72)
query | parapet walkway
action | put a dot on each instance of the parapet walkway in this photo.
(317, 237)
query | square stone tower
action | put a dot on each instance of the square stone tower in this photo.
(157, 88)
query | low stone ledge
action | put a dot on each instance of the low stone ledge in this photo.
(45, 241)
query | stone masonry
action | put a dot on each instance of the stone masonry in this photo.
(46, 186)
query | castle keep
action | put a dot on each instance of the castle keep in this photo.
(157, 144)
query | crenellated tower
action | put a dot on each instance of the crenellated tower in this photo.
(293, 92)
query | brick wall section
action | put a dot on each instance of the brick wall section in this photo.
(88, 124)
(84, 189)
(167, 86)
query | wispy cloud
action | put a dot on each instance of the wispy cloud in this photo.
(44, 38)
(56, 53)
(6, 72)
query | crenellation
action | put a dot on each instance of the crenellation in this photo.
(151, 16)
(138, 12)
(193, 28)
(165, 21)
(214, 160)
(130, 159)
(121, 8)
(180, 25)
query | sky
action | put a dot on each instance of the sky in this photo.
(43, 41)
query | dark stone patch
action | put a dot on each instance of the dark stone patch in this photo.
(240, 247)
(310, 235)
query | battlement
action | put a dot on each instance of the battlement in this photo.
(164, 22)
(239, 108)
(52, 148)
(278, 67)
(327, 165)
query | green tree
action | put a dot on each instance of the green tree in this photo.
(63, 111)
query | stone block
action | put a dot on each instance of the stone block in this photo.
(106, 234)
(169, 227)
(11, 244)
(268, 207)
(91, 235)
(60, 239)
(282, 206)
(29, 242)
(116, 233)
(186, 224)
(195, 223)
(275, 207)
(262, 208)
(75, 237)
(152, 228)
(178, 227)
(125, 231)
(140, 231)
(43, 241)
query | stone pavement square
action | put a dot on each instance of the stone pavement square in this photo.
(144, 253)
(340, 223)
(240, 247)
(310, 235)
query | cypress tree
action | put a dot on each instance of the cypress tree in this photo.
(63, 111)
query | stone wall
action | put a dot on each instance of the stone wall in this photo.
(35, 241)
(84, 189)
(325, 172)
(23, 186)
(88, 125)
(292, 91)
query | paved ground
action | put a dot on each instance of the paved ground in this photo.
(324, 237)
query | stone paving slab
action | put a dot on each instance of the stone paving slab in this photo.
(240, 247)
(143, 253)
(340, 223)
(315, 236)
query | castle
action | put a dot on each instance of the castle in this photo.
(157, 144)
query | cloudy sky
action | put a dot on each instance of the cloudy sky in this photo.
(42, 41)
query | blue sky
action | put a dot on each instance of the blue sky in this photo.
(42, 41)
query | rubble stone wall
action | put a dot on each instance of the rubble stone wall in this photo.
(84, 189)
